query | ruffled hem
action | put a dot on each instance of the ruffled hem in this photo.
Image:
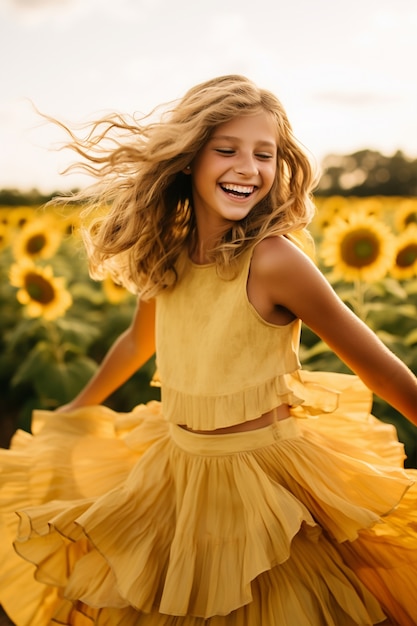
(210, 412)
(132, 521)
(315, 589)
(350, 428)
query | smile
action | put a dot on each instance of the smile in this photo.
(238, 190)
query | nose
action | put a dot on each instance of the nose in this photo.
(246, 165)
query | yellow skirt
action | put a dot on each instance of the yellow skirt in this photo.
(126, 520)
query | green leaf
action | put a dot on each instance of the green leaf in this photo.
(389, 338)
(411, 338)
(61, 382)
(393, 287)
(318, 348)
(25, 329)
(34, 364)
(411, 287)
(89, 292)
(78, 332)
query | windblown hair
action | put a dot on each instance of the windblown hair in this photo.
(149, 218)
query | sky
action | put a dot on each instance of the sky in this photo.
(344, 70)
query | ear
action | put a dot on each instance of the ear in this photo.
(187, 170)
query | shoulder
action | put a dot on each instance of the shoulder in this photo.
(278, 274)
(288, 277)
(276, 255)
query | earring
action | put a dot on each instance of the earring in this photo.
(188, 168)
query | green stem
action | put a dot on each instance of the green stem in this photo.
(55, 340)
(359, 307)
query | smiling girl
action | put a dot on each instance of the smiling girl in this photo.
(254, 493)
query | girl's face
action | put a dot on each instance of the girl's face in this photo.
(234, 170)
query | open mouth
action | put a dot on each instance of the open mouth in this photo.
(238, 191)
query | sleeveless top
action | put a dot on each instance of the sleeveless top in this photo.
(219, 362)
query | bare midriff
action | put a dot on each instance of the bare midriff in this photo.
(280, 412)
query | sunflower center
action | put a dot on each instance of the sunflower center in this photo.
(39, 289)
(407, 256)
(360, 248)
(36, 243)
(411, 219)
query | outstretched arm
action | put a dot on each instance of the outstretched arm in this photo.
(129, 352)
(292, 281)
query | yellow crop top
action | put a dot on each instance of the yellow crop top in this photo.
(219, 362)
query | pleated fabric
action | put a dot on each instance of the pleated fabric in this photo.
(127, 520)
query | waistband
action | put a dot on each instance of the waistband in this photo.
(231, 443)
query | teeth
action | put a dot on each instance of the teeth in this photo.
(238, 188)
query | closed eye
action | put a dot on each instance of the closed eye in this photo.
(264, 156)
(230, 151)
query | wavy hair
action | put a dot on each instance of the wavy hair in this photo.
(139, 216)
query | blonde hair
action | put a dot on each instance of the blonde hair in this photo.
(139, 165)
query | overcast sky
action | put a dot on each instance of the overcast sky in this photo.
(345, 71)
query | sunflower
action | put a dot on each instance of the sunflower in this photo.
(40, 292)
(360, 247)
(371, 206)
(405, 263)
(406, 214)
(333, 204)
(39, 239)
(71, 224)
(19, 217)
(4, 236)
(115, 293)
(327, 210)
(5, 216)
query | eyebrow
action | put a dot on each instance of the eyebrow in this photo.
(262, 142)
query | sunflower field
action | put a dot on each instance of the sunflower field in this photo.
(57, 324)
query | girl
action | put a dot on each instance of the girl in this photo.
(227, 504)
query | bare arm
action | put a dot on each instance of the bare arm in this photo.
(129, 352)
(289, 279)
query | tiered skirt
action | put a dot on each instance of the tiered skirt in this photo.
(127, 520)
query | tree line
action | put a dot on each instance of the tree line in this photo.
(368, 173)
(362, 173)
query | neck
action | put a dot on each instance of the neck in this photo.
(200, 253)
(206, 239)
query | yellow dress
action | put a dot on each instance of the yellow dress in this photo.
(131, 520)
